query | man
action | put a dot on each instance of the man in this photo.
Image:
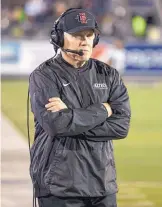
(80, 105)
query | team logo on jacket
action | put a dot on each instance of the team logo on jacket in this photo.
(100, 86)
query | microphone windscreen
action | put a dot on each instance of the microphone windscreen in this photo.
(81, 53)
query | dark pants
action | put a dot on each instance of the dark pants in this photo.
(52, 201)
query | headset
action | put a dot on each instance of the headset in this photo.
(57, 35)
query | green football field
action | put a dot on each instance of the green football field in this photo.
(138, 157)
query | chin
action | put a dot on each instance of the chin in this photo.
(85, 57)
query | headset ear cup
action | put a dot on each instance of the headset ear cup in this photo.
(96, 40)
(97, 36)
(57, 37)
(60, 38)
(54, 36)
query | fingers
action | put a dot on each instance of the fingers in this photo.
(54, 99)
(55, 104)
(54, 109)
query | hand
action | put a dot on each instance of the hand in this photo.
(109, 110)
(55, 104)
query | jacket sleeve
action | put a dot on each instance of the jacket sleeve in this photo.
(66, 122)
(117, 125)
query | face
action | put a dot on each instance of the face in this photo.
(80, 40)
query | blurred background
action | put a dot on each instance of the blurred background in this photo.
(131, 41)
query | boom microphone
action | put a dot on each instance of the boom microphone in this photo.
(78, 52)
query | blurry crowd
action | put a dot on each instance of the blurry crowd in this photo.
(34, 18)
(31, 19)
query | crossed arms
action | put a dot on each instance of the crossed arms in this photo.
(109, 120)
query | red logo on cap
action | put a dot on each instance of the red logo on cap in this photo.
(81, 17)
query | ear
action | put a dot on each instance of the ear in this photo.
(65, 39)
(67, 36)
